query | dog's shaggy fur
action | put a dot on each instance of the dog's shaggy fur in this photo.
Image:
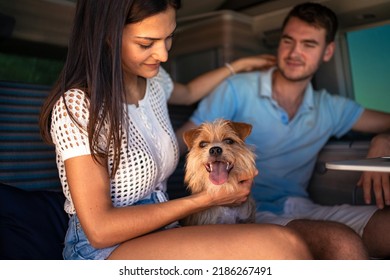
(217, 157)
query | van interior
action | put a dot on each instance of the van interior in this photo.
(33, 48)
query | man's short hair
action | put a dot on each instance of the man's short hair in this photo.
(316, 15)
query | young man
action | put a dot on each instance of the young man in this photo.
(291, 123)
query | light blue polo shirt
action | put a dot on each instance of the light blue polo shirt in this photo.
(286, 149)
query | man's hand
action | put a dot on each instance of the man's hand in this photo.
(377, 182)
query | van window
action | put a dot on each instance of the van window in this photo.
(369, 56)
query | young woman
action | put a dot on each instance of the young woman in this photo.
(107, 117)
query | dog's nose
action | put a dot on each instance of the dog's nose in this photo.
(215, 151)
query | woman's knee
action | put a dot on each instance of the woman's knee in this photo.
(294, 244)
(284, 243)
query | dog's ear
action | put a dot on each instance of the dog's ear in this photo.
(243, 129)
(189, 137)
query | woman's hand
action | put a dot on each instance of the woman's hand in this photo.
(199, 87)
(235, 197)
(251, 63)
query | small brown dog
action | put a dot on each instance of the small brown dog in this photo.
(217, 156)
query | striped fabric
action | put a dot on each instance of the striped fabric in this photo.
(26, 161)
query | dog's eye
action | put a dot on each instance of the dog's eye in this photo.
(229, 141)
(202, 144)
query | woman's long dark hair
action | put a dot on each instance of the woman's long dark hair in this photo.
(93, 65)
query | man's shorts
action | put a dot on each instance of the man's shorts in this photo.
(354, 216)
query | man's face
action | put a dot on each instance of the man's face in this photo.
(302, 49)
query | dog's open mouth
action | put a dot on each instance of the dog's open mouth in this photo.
(219, 171)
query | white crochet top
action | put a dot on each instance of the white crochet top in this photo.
(149, 152)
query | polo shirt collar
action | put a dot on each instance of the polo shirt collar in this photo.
(266, 90)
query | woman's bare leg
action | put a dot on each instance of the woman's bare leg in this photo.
(249, 241)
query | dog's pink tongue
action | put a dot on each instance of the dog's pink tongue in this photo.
(219, 173)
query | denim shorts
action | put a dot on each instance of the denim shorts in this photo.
(77, 246)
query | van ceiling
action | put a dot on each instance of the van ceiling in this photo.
(191, 7)
(50, 21)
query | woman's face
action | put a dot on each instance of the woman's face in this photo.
(145, 44)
